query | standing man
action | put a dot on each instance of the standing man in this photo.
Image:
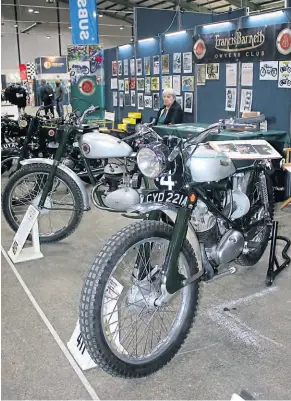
(47, 97)
(59, 96)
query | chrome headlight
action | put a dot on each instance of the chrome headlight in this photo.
(152, 160)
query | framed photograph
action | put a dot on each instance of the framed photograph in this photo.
(119, 68)
(246, 149)
(114, 99)
(132, 83)
(148, 102)
(230, 99)
(188, 102)
(121, 99)
(126, 85)
(179, 99)
(156, 101)
(147, 85)
(188, 83)
(187, 63)
(212, 71)
(147, 66)
(132, 98)
(201, 74)
(127, 99)
(165, 64)
(114, 83)
(138, 66)
(125, 67)
(114, 68)
(167, 81)
(177, 63)
(140, 101)
(121, 85)
(156, 65)
(177, 84)
(155, 83)
(132, 67)
(140, 84)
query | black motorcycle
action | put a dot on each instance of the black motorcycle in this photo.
(269, 70)
(79, 69)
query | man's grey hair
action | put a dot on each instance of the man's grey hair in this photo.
(169, 92)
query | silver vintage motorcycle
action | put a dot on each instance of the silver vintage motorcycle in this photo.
(61, 196)
(140, 296)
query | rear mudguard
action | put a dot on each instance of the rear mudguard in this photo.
(171, 211)
(67, 171)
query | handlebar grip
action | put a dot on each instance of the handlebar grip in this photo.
(250, 120)
(97, 108)
(173, 155)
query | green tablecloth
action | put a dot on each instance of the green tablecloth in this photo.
(190, 129)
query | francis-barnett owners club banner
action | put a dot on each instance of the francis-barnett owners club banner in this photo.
(271, 42)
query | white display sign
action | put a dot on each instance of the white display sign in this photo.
(114, 83)
(177, 63)
(230, 99)
(268, 70)
(247, 74)
(177, 84)
(284, 80)
(188, 102)
(231, 74)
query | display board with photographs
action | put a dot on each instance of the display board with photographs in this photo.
(252, 149)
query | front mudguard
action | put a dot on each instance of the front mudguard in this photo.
(171, 212)
(66, 170)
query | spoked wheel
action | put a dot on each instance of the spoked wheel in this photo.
(123, 330)
(63, 207)
(8, 167)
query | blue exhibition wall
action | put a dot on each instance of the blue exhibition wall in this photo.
(125, 52)
(210, 98)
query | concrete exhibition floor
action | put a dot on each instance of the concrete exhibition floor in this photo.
(244, 347)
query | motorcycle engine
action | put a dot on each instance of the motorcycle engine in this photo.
(221, 244)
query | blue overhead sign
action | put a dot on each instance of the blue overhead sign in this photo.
(84, 21)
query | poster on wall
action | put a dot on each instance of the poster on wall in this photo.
(155, 83)
(120, 68)
(79, 68)
(187, 63)
(177, 84)
(140, 101)
(284, 80)
(147, 85)
(231, 74)
(156, 65)
(114, 68)
(179, 99)
(114, 99)
(147, 66)
(121, 84)
(140, 84)
(156, 101)
(246, 100)
(167, 82)
(127, 99)
(148, 102)
(177, 63)
(268, 70)
(114, 83)
(125, 66)
(264, 42)
(132, 83)
(132, 98)
(201, 74)
(132, 67)
(230, 99)
(126, 85)
(121, 99)
(188, 102)
(165, 64)
(212, 71)
(247, 72)
(188, 83)
(138, 66)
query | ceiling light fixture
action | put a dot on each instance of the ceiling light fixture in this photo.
(69, 27)
(146, 40)
(36, 12)
(30, 10)
(122, 27)
(100, 15)
(15, 25)
(48, 36)
(175, 33)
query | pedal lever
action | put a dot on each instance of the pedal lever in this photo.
(230, 271)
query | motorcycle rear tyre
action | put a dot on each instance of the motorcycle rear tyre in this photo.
(75, 190)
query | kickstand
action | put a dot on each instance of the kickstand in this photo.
(272, 273)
